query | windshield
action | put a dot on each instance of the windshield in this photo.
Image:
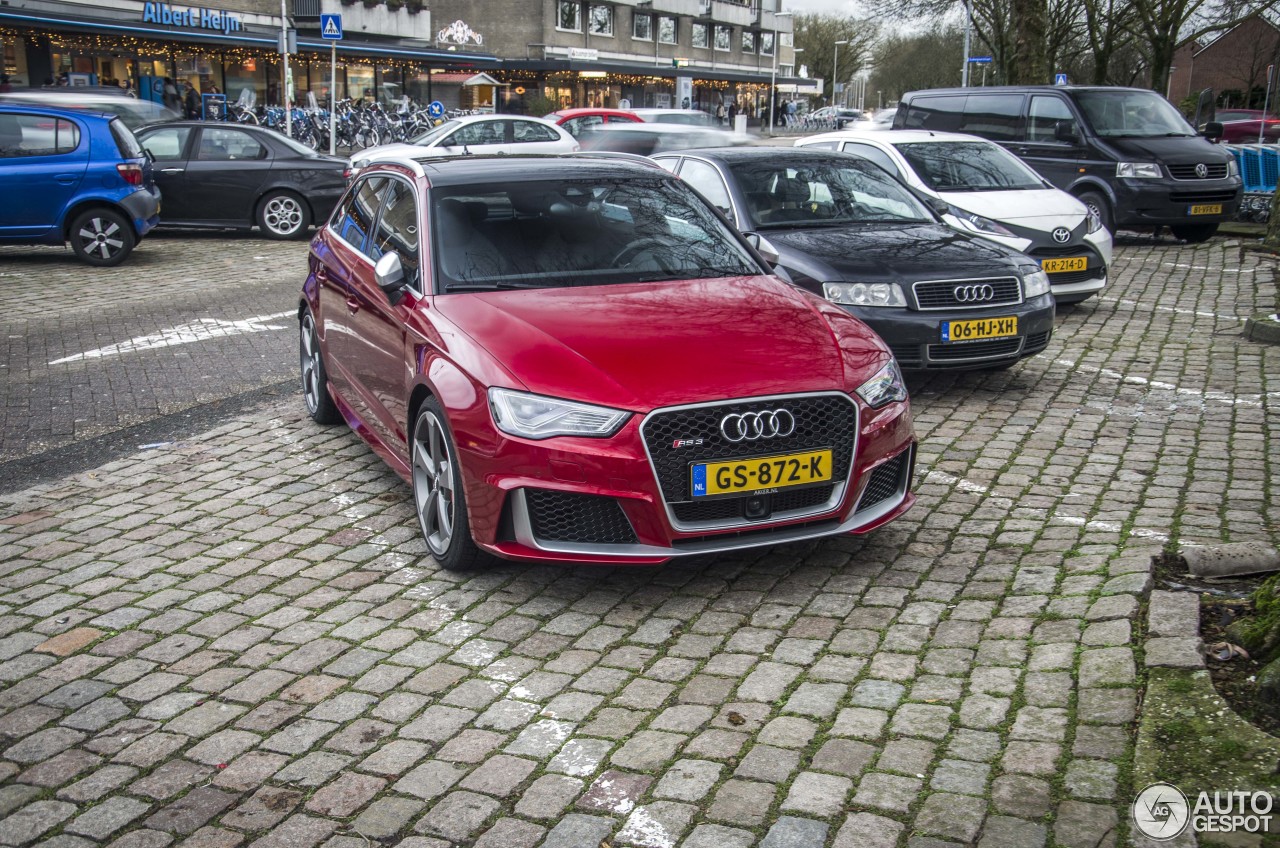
(824, 192)
(1132, 114)
(435, 132)
(579, 233)
(968, 166)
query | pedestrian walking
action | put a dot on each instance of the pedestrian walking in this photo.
(192, 102)
(5, 85)
(733, 112)
(172, 100)
(720, 113)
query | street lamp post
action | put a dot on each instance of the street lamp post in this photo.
(773, 71)
(835, 71)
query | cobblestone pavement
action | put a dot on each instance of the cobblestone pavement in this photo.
(238, 640)
(175, 286)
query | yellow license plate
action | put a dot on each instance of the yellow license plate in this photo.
(984, 328)
(763, 475)
(1205, 209)
(1068, 263)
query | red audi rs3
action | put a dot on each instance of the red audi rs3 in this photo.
(575, 358)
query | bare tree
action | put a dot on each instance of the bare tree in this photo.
(909, 63)
(817, 35)
(1159, 26)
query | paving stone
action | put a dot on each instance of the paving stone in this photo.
(887, 791)
(578, 831)
(386, 817)
(548, 796)
(926, 720)
(646, 750)
(263, 809)
(817, 794)
(860, 723)
(742, 802)
(1079, 824)
(430, 780)
(953, 816)
(1107, 706)
(1021, 796)
(1007, 832)
(66, 644)
(511, 833)
(60, 769)
(580, 757)
(33, 820)
(299, 831)
(191, 811)
(43, 745)
(864, 830)
(767, 763)
(961, 776)
(1091, 779)
(656, 825)
(843, 756)
(792, 832)
(688, 780)
(249, 770)
(314, 769)
(615, 792)
(1106, 666)
(458, 815)
(95, 786)
(718, 836)
(170, 778)
(1174, 652)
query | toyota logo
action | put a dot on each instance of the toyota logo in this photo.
(1202, 170)
(1062, 235)
(974, 294)
(749, 426)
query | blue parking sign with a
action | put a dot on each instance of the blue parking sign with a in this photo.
(435, 108)
(331, 27)
(1059, 79)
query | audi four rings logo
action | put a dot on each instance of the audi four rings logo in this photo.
(1061, 235)
(1202, 170)
(974, 294)
(749, 426)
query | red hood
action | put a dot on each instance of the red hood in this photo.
(648, 345)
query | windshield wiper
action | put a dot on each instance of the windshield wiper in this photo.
(710, 273)
(456, 287)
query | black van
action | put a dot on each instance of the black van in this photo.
(1126, 152)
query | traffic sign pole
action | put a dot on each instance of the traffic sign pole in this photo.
(333, 98)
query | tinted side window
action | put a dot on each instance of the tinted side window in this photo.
(936, 112)
(126, 141)
(36, 135)
(166, 144)
(993, 116)
(707, 181)
(481, 132)
(398, 230)
(824, 145)
(872, 154)
(353, 218)
(1044, 115)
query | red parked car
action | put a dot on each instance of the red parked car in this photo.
(575, 358)
(578, 121)
(1240, 126)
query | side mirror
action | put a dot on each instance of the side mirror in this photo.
(389, 273)
(1065, 131)
(764, 247)
(1212, 131)
(939, 206)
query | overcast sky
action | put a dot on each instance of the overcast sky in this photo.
(828, 7)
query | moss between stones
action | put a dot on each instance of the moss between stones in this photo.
(1190, 737)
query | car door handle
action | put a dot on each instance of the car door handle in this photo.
(65, 179)
(353, 304)
(172, 170)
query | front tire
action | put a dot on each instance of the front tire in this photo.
(1194, 233)
(1099, 206)
(438, 495)
(283, 215)
(315, 380)
(101, 237)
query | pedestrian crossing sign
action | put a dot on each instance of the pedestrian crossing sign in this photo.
(331, 27)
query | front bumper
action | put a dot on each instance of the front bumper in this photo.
(600, 501)
(1168, 202)
(916, 337)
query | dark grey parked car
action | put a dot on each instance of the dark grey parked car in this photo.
(843, 228)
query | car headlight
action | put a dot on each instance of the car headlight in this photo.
(1035, 284)
(1095, 221)
(538, 417)
(1233, 167)
(979, 224)
(885, 387)
(864, 294)
(1135, 170)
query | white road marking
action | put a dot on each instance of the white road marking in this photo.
(1207, 268)
(202, 329)
(1220, 397)
(1133, 304)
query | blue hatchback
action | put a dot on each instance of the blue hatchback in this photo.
(73, 176)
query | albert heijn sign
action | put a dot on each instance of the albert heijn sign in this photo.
(212, 19)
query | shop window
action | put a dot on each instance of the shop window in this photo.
(601, 20)
(667, 30)
(700, 35)
(642, 27)
(748, 42)
(724, 38)
(766, 44)
(570, 16)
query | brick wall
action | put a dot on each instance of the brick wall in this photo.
(1236, 60)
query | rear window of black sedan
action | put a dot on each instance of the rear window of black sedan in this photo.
(578, 232)
(835, 191)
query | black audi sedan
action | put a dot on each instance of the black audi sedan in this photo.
(238, 176)
(843, 228)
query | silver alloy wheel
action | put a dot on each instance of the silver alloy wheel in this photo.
(309, 359)
(101, 237)
(283, 214)
(433, 483)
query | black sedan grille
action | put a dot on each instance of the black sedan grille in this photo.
(573, 517)
(723, 509)
(942, 294)
(1051, 251)
(974, 350)
(822, 421)
(1203, 196)
(1063, 277)
(1216, 171)
(1036, 342)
